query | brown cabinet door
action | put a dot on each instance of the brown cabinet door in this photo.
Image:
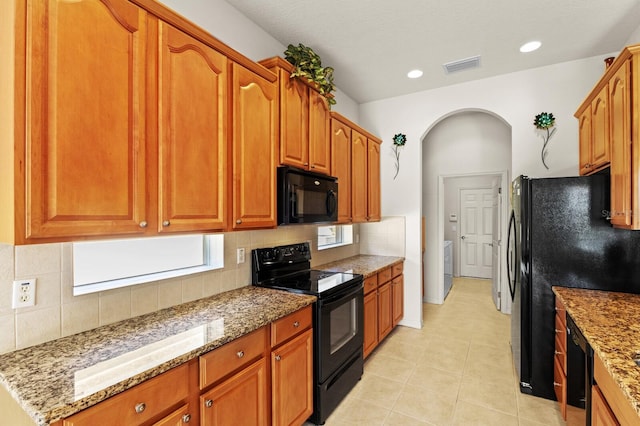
(86, 118)
(240, 401)
(292, 381)
(192, 134)
(385, 320)
(397, 296)
(294, 110)
(319, 140)
(600, 129)
(373, 180)
(601, 414)
(584, 133)
(255, 118)
(341, 167)
(358, 177)
(370, 323)
(180, 417)
(620, 127)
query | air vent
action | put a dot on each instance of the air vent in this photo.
(462, 64)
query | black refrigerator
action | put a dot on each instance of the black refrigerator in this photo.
(559, 235)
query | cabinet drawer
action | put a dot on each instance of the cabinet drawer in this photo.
(370, 284)
(138, 404)
(287, 327)
(397, 269)
(384, 276)
(231, 357)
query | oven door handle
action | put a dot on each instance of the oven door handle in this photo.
(338, 298)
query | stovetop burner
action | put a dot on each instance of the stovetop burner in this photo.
(288, 268)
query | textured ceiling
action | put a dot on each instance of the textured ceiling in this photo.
(372, 44)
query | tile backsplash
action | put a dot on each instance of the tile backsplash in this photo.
(58, 313)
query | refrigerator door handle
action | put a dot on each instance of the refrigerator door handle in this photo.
(512, 280)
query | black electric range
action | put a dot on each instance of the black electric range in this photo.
(338, 318)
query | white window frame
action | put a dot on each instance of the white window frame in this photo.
(344, 236)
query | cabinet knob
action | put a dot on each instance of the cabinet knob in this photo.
(313, 166)
(306, 164)
(208, 403)
(186, 418)
(278, 357)
(240, 354)
(166, 223)
(239, 221)
(296, 324)
(557, 331)
(143, 224)
(557, 384)
(557, 352)
(140, 407)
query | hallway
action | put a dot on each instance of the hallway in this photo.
(457, 370)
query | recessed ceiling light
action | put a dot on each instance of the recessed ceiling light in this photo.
(414, 74)
(530, 46)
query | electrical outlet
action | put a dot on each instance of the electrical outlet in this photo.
(240, 255)
(24, 293)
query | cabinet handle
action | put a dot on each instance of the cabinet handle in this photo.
(557, 331)
(239, 221)
(296, 324)
(166, 223)
(140, 407)
(557, 384)
(208, 403)
(278, 357)
(240, 354)
(313, 166)
(143, 224)
(186, 418)
(306, 164)
(557, 352)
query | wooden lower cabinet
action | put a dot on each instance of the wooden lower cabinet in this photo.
(601, 414)
(180, 417)
(560, 358)
(156, 398)
(383, 305)
(292, 381)
(292, 368)
(370, 317)
(239, 400)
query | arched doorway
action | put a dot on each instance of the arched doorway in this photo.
(464, 143)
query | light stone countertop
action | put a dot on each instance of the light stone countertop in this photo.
(610, 322)
(56, 379)
(364, 264)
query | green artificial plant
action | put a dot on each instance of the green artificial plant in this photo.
(308, 64)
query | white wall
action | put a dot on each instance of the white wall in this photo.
(516, 98)
(228, 25)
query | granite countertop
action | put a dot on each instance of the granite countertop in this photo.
(611, 324)
(364, 264)
(56, 379)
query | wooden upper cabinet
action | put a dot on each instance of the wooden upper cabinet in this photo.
(373, 180)
(341, 167)
(255, 118)
(584, 134)
(304, 120)
(85, 119)
(600, 129)
(620, 130)
(192, 134)
(294, 121)
(359, 187)
(319, 133)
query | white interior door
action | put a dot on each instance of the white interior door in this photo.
(476, 232)
(496, 241)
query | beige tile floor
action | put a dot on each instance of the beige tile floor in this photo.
(457, 370)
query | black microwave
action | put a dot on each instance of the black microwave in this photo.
(306, 197)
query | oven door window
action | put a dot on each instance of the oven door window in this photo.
(344, 325)
(339, 333)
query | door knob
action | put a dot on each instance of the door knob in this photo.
(463, 237)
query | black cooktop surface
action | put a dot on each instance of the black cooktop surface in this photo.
(313, 281)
